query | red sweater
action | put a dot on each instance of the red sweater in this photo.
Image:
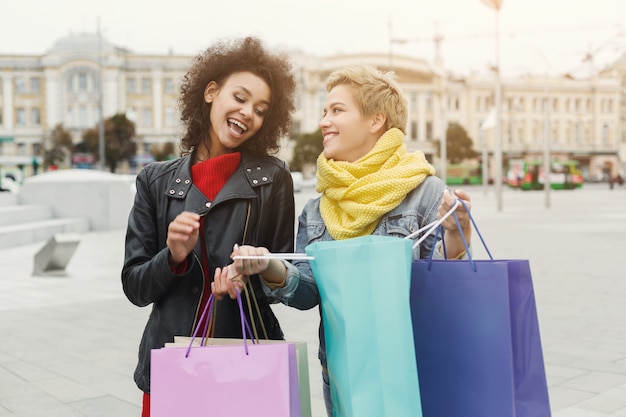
(210, 176)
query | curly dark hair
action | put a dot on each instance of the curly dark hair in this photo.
(220, 61)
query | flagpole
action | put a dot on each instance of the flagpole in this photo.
(498, 128)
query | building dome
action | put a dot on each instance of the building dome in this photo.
(84, 41)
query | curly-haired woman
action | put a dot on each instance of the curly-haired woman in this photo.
(236, 102)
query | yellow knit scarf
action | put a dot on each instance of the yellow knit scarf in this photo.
(356, 195)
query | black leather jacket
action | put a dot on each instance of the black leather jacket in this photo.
(255, 207)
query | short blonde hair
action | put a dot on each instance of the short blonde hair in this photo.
(374, 91)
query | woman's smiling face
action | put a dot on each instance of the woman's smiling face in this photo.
(238, 109)
(348, 135)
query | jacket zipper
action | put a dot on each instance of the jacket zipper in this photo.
(195, 255)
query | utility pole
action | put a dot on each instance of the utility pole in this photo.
(101, 147)
(546, 149)
(497, 153)
(443, 144)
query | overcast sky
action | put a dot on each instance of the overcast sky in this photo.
(536, 35)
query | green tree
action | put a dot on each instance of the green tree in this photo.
(459, 146)
(119, 144)
(56, 147)
(308, 147)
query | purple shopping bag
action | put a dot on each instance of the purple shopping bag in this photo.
(228, 380)
(477, 341)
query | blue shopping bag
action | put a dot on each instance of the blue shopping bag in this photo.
(477, 340)
(364, 289)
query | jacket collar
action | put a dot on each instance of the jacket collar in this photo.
(253, 172)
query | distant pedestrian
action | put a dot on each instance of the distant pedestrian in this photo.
(237, 101)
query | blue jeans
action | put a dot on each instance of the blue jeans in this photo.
(326, 390)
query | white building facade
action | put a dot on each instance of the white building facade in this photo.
(62, 86)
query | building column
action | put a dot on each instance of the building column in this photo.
(157, 98)
(52, 113)
(421, 117)
(7, 104)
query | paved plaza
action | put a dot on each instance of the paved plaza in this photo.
(68, 344)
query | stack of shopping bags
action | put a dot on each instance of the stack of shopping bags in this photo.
(431, 338)
(404, 338)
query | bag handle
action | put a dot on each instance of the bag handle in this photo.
(245, 327)
(439, 232)
(432, 226)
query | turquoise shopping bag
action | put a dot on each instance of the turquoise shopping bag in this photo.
(364, 288)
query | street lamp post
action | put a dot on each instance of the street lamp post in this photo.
(498, 128)
(101, 148)
(497, 153)
(443, 144)
(488, 123)
(546, 149)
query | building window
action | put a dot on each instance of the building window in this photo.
(69, 117)
(145, 85)
(507, 104)
(82, 117)
(21, 149)
(168, 85)
(0, 116)
(131, 85)
(35, 85)
(20, 85)
(321, 99)
(36, 116)
(413, 99)
(429, 130)
(605, 134)
(555, 135)
(453, 103)
(509, 133)
(82, 82)
(146, 117)
(20, 116)
(429, 102)
(169, 119)
(298, 100)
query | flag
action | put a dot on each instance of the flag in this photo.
(490, 120)
(494, 4)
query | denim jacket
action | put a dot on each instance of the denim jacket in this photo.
(418, 209)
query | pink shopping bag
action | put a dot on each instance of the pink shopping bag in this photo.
(224, 381)
(229, 380)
